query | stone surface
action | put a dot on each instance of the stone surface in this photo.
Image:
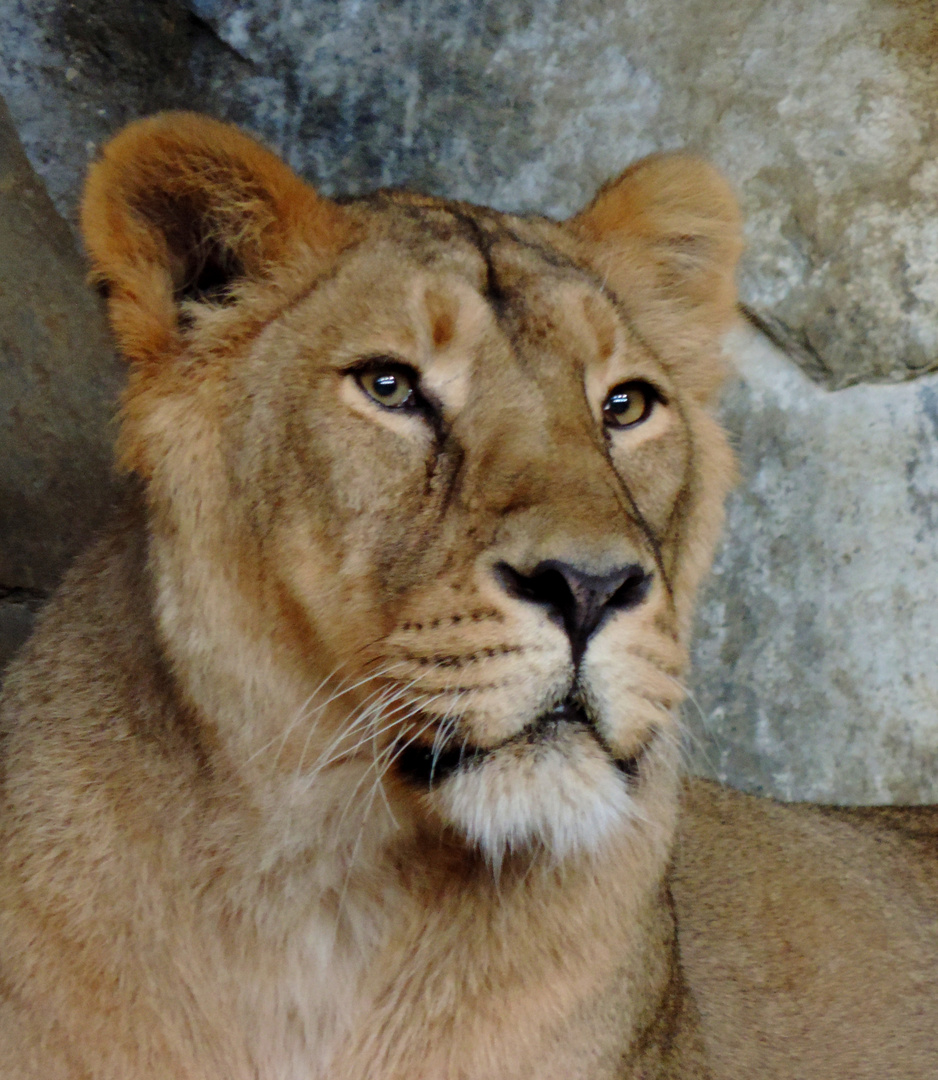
(815, 665)
(58, 384)
(822, 111)
(73, 74)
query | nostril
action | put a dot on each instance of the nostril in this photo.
(632, 591)
(512, 581)
(547, 587)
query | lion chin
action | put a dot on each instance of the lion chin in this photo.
(564, 798)
(555, 788)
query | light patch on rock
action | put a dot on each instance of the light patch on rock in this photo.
(815, 670)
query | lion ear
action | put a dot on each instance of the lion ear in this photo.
(670, 224)
(181, 208)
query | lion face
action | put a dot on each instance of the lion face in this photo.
(431, 488)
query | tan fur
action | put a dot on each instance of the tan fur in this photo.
(216, 859)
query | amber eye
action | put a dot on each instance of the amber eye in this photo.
(391, 385)
(629, 404)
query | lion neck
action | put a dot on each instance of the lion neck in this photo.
(533, 975)
(403, 954)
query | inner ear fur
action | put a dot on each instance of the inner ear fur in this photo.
(182, 208)
(667, 235)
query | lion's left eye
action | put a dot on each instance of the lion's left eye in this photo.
(392, 386)
(629, 404)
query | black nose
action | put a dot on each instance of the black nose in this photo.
(577, 599)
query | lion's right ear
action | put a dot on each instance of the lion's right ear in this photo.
(182, 208)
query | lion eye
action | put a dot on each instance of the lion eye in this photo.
(629, 404)
(392, 386)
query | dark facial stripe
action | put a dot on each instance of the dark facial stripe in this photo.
(483, 242)
(677, 517)
(639, 518)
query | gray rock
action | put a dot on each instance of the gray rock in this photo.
(58, 385)
(822, 111)
(815, 664)
(75, 73)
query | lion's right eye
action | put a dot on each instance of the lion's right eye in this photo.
(392, 386)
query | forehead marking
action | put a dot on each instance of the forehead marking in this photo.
(483, 241)
(559, 261)
(484, 237)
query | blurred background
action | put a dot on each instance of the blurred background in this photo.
(816, 667)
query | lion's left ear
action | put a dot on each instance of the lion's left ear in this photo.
(669, 228)
(183, 209)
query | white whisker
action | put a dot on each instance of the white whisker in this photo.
(366, 710)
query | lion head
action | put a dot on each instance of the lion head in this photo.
(430, 488)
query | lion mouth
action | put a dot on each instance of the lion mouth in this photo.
(427, 765)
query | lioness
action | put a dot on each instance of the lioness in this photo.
(349, 753)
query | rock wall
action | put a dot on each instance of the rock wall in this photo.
(58, 384)
(815, 666)
(815, 673)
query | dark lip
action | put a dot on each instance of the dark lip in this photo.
(418, 764)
